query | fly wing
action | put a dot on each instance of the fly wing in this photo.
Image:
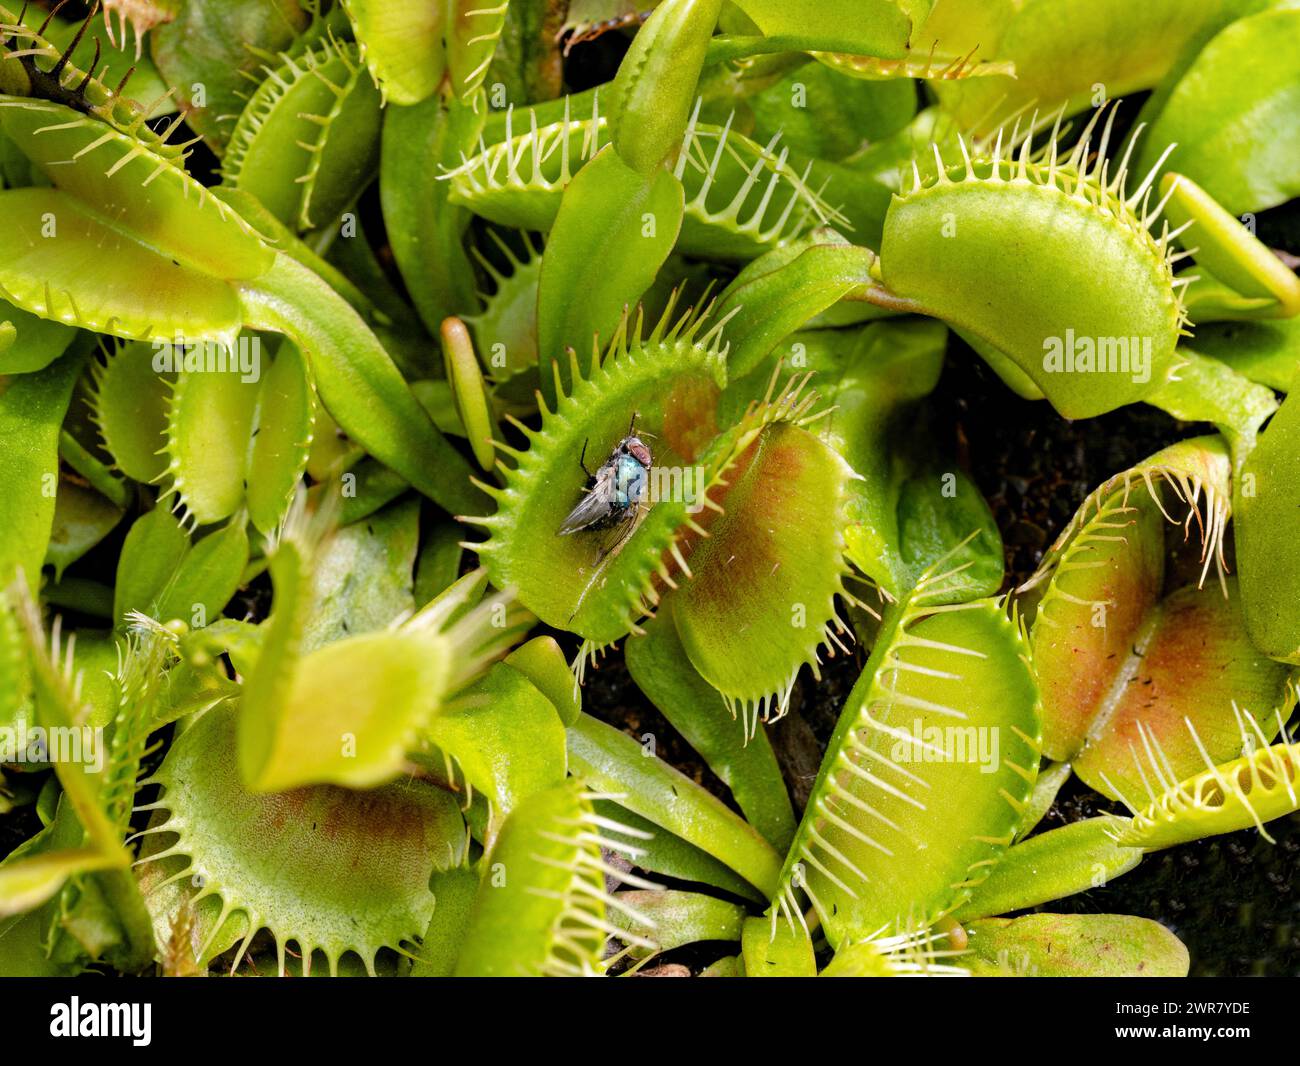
(591, 509)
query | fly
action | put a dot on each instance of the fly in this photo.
(615, 493)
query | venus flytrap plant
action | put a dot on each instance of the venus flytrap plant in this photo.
(162, 575)
(383, 846)
(412, 48)
(771, 550)
(904, 510)
(1247, 791)
(894, 41)
(942, 226)
(672, 379)
(612, 761)
(627, 195)
(864, 855)
(1107, 601)
(1052, 865)
(505, 330)
(742, 196)
(174, 212)
(324, 105)
(1203, 389)
(97, 794)
(670, 918)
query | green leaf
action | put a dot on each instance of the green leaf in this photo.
(357, 381)
(30, 343)
(651, 98)
(359, 863)
(206, 579)
(1050, 313)
(661, 852)
(1061, 51)
(1232, 115)
(32, 408)
(659, 665)
(352, 712)
(284, 426)
(1267, 527)
(615, 763)
(151, 554)
(505, 739)
(1205, 390)
(209, 425)
(672, 918)
(1074, 945)
(783, 950)
(1266, 352)
(873, 378)
(824, 114)
(542, 661)
(1052, 865)
(469, 391)
(776, 294)
(402, 44)
(426, 231)
(614, 230)
(307, 141)
(361, 580)
(27, 883)
(453, 894)
(132, 203)
(82, 518)
(348, 712)
(861, 27)
(541, 905)
(130, 401)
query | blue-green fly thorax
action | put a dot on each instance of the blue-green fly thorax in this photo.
(631, 481)
(614, 493)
